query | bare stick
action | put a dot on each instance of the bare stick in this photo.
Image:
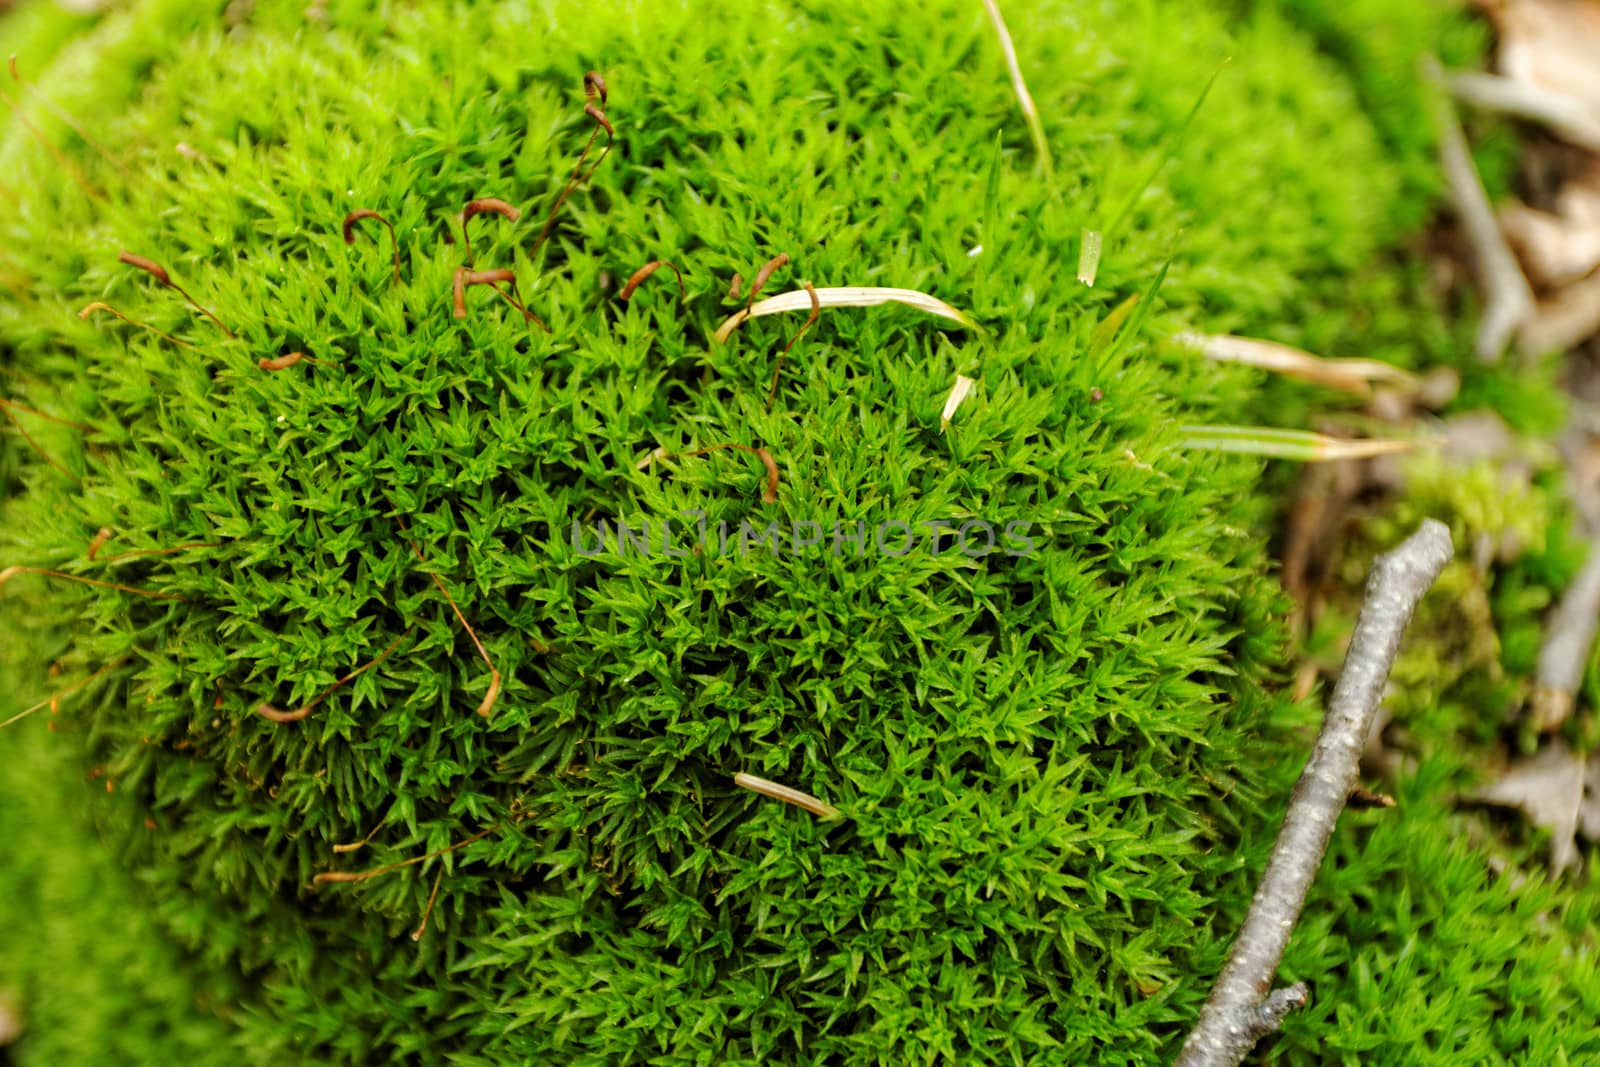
(1237, 1014)
(1507, 296)
(1020, 87)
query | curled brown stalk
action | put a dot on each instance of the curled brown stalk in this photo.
(356, 216)
(466, 277)
(141, 553)
(60, 157)
(769, 494)
(102, 306)
(486, 706)
(766, 271)
(594, 88)
(485, 205)
(422, 927)
(638, 278)
(159, 273)
(267, 711)
(54, 700)
(734, 286)
(284, 362)
(816, 310)
(98, 541)
(356, 846)
(62, 114)
(361, 876)
(11, 572)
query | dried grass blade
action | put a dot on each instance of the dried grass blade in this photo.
(1300, 445)
(1351, 375)
(840, 297)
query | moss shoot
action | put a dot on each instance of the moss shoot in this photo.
(1051, 761)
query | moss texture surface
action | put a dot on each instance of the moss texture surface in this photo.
(1056, 771)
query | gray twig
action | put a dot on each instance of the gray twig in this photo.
(1508, 299)
(1238, 1014)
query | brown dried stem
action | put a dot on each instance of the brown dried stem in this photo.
(422, 927)
(769, 495)
(62, 114)
(140, 553)
(356, 216)
(594, 87)
(102, 306)
(638, 277)
(465, 278)
(159, 273)
(11, 572)
(284, 362)
(52, 701)
(267, 711)
(816, 310)
(766, 271)
(361, 876)
(486, 706)
(60, 157)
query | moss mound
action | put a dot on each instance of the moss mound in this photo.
(1029, 747)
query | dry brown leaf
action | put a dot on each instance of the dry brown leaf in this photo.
(850, 296)
(1351, 375)
(1561, 246)
(1548, 789)
(1563, 321)
(958, 393)
(1552, 44)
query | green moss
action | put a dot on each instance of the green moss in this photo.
(1039, 848)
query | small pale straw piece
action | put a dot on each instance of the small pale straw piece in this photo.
(958, 393)
(784, 793)
(851, 296)
(1089, 256)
